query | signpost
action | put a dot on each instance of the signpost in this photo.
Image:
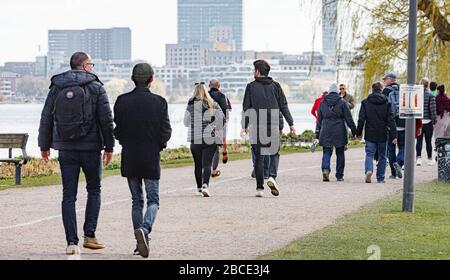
(410, 153)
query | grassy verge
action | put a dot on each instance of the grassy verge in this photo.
(48, 180)
(170, 159)
(400, 236)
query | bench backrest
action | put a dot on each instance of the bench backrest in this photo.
(13, 141)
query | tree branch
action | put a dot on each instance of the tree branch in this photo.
(439, 21)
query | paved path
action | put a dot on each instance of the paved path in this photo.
(232, 224)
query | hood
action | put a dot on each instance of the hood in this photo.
(377, 99)
(264, 80)
(332, 99)
(74, 78)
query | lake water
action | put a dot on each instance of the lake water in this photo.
(24, 118)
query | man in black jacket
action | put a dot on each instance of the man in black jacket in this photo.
(224, 104)
(378, 119)
(143, 129)
(263, 101)
(77, 121)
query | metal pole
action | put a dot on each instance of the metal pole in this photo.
(410, 154)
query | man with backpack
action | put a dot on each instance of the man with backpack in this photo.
(392, 92)
(77, 121)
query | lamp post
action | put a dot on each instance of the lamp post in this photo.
(410, 154)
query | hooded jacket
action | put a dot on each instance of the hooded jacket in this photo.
(265, 95)
(377, 117)
(100, 136)
(334, 114)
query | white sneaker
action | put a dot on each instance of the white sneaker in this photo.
(431, 162)
(198, 192)
(205, 191)
(259, 193)
(73, 250)
(419, 161)
(272, 184)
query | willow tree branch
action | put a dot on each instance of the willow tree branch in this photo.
(439, 21)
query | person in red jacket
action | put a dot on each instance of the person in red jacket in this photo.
(315, 108)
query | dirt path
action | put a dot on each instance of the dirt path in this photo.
(232, 224)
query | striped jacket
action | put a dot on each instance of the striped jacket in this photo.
(429, 111)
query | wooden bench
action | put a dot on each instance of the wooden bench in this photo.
(15, 141)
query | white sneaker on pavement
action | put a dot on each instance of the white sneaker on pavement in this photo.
(73, 249)
(431, 162)
(272, 184)
(259, 193)
(419, 161)
(205, 191)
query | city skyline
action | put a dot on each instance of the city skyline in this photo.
(260, 33)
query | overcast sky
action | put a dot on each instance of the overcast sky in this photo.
(283, 25)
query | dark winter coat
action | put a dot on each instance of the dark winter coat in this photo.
(100, 136)
(143, 129)
(334, 114)
(377, 117)
(392, 92)
(220, 99)
(265, 94)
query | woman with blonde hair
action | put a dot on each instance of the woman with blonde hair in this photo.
(205, 121)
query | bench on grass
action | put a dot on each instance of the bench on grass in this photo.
(15, 141)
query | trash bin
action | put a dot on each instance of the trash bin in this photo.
(443, 159)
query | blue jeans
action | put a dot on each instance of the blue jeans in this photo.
(270, 164)
(340, 161)
(393, 156)
(381, 149)
(71, 163)
(140, 220)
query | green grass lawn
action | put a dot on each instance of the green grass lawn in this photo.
(423, 235)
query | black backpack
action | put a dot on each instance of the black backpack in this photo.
(72, 113)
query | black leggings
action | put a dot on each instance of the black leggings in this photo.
(427, 131)
(203, 157)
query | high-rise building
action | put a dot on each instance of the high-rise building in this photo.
(198, 19)
(330, 28)
(102, 44)
(192, 56)
(40, 68)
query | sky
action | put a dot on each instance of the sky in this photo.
(284, 25)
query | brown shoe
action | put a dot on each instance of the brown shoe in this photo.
(215, 173)
(93, 244)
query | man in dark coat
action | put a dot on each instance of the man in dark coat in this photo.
(77, 121)
(378, 119)
(143, 129)
(334, 114)
(392, 92)
(263, 100)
